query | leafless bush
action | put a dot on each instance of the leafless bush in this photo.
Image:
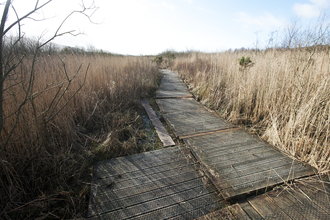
(53, 115)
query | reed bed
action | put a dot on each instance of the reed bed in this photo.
(46, 167)
(283, 96)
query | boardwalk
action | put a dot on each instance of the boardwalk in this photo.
(219, 165)
(236, 162)
(155, 185)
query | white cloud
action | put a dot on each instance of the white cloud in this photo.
(310, 10)
(169, 6)
(189, 1)
(322, 3)
(266, 21)
(306, 10)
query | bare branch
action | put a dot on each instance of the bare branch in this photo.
(49, 119)
(36, 8)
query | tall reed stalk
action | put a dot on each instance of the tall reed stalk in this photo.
(100, 121)
(284, 96)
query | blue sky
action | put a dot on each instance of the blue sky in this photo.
(152, 26)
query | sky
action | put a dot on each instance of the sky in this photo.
(149, 27)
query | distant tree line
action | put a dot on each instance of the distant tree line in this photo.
(27, 46)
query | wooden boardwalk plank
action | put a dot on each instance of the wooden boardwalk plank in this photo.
(179, 105)
(249, 210)
(320, 195)
(169, 86)
(135, 189)
(266, 207)
(238, 212)
(177, 183)
(245, 162)
(172, 87)
(231, 212)
(306, 199)
(188, 123)
(285, 205)
(148, 194)
(172, 94)
(139, 204)
(161, 131)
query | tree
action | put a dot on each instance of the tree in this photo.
(18, 84)
(12, 60)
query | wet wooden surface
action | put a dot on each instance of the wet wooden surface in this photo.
(154, 185)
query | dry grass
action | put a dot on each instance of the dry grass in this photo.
(45, 170)
(284, 97)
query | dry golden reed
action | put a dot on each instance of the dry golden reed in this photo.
(284, 96)
(45, 168)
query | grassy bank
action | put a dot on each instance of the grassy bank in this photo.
(282, 95)
(68, 121)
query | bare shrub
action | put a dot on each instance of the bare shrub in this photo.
(59, 113)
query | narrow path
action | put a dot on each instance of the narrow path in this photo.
(237, 162)
(219, 163)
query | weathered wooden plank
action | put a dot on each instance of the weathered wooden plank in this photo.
(161, 190)
(179, 105)
(169, 86)
(295, 201)
(146, 187)
(238, 212)
(149, 173)
(226, 141)
(231, 212)
(172, 87)
(284, 171)
(114, 184)
(131, 195)
(188, 123)
(260, 186)
(235, 155)
(149, 202)
(317, 189)
(166, 154)
(171, 80)
(163, 208)
(196, 212)
(266, 207)
(284, 204)
(111, 171)
(251, 212)
(261, 164)
(244, 162)
(182, 210)
(163, 135)
(172, 94)
(210, 132)
(305, 205)
(220, 214)
(241, 158)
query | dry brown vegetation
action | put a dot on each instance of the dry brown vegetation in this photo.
(46, 167)
(284, 96)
